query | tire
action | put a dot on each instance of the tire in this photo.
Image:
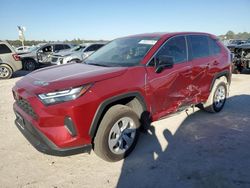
(75, 61)
(235, 69)
(117, 134)
(5, 71)
(217, 97)
(29, 64)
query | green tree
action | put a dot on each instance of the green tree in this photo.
(230, 35)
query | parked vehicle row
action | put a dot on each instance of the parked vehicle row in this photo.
(241, 56)
(42, 55)
(32, 57)
(103, 102)
(57, 54)
(76, 54)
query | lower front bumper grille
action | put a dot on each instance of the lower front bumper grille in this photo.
(42, 143)
(54, 59)
(26, 107)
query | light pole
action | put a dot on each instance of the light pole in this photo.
(21, 30)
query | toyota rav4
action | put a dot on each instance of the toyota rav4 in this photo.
(102, 103)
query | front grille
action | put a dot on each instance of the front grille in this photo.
(54, 59)
(26, 107)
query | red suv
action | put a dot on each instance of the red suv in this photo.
(102, 102)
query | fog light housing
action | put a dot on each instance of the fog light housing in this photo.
(69, 125)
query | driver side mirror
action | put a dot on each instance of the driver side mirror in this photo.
(164, 62)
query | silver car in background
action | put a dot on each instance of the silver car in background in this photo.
(76, 54)
(41, 55)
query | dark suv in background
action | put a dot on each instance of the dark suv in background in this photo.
(125, 85)
(42, 55)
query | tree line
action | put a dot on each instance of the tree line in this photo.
(17, 43)
(232, 35)
(229, 35)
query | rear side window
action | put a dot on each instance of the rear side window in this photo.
(59, 47)
(4, 49)
(93, 47)
(214, 47)
(175, 48)
(66, 46)
(199, 46)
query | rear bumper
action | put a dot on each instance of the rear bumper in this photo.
(43, 144)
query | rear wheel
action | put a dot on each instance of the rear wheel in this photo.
(117, 134)
(75, 61)
(217, 97)
(5, 71)
(29, 64)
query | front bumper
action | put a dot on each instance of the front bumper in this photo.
(42, 143)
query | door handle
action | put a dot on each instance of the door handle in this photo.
(215, 63)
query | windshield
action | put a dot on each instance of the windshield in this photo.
(123, 52)
(33, 48)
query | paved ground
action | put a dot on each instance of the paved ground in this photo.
(199, 150)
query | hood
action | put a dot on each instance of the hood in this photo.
(63, 53)
(67, 76)
(28, 54)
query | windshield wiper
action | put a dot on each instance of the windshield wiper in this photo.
(96, 64)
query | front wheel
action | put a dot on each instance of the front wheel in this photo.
(117, 134)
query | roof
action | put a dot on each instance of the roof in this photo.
(168, 34)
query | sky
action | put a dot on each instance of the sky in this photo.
(109, 19)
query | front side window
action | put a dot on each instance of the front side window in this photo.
(125, 52)
(47, 49)
(199, 46)
(65, 46)
(175, 48)
(93, 47)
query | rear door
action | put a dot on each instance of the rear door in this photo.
(201, 60)
(170, 89)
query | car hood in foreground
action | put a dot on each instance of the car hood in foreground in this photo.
(67, 76)
(28, 54)
(63, 53)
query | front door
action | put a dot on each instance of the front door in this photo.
(44, 53)
(169, 90)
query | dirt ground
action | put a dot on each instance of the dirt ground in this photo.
(198, 150)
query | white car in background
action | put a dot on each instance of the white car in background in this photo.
(76, 54)
(22, 49)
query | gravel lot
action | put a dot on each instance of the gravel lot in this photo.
(198, 150)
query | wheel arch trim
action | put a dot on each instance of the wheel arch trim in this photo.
(101, 108)
(226, 73)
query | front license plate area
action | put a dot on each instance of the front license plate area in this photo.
(20, 121)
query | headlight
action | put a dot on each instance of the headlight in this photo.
(64, 95)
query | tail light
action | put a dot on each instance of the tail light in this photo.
(16, 57)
